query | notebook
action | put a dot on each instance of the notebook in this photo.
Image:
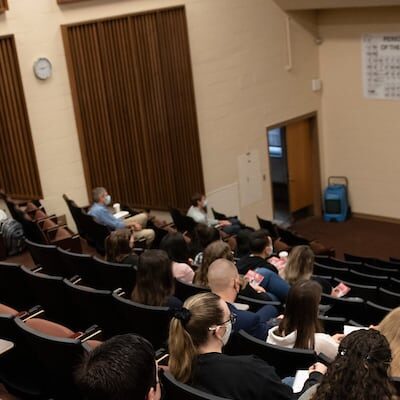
(300, 379)
(348, 329)
(254, 278)
(341, 290)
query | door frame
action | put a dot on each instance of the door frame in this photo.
(317, 187)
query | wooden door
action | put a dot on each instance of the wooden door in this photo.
(300, 165)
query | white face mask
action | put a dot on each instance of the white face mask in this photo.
(107, 200)
(227, 334)
(205, 203)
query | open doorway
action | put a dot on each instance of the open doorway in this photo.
(293, 153)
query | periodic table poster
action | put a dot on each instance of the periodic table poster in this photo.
(381, 66)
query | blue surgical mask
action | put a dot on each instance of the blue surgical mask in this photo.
(107, 200)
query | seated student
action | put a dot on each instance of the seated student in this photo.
(360, 370)
(100, 212)
(300, 327)
(174, 244)
(261, 249)
(243, 243)
(390, 328)
(223, 280)
(122, 368)
(197, 335)
(203, 236)
(154, 281)
(300, 266)
(119, 245)
(220, 249)
(198, 211)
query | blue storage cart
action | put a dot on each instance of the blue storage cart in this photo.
(336, 200)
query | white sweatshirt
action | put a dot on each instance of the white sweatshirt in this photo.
(323, 342)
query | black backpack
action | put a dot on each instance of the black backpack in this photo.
(13, 235)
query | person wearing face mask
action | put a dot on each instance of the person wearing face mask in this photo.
(224, 281)
(101, 213)
(198, 212)
(260, 250)
(197, 334)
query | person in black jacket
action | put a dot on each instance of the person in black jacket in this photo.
(261, 249)
(197, 335)
(223, 280)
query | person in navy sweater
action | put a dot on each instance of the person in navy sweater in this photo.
(223, 280)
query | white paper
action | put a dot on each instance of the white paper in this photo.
(381, 65)
(241, 306)
(300, 379)
(349, 328)
(121, 214)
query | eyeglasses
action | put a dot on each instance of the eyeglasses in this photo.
(232, 319)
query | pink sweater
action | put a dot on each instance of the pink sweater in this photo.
(183, 272)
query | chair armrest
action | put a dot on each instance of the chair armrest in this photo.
(54, 228)
(138, 250)
(62, 219)
(119, 292)
(32, 313)
(324, 359)
(90, 333)
(75, 279)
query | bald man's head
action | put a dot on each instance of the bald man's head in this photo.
(222, 275)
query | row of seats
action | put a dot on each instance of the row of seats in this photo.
(380, 289)
(94, 271)
(95, 233)
(40, 226)
(354, 261)
(103, 275)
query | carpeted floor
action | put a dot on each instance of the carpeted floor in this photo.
(355, 236)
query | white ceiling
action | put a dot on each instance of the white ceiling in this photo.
(290, 5)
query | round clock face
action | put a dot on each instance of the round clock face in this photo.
(42, 68)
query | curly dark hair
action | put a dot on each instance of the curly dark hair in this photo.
(360, 370)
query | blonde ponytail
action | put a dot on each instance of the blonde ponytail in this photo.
(182, 352)
(189, 330)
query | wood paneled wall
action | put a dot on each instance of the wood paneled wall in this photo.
(132, 86)
(3, 6)
(19, 174)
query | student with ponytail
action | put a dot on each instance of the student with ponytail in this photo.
(197, 335)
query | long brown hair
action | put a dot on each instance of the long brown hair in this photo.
(188, 333)
(301, 314)
(154, 279)
(360, 370)
(117, 245)
(390, 328)
(213, 251)
(300, 264)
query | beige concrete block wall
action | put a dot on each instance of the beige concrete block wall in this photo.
(238, 51)
(361, 136)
